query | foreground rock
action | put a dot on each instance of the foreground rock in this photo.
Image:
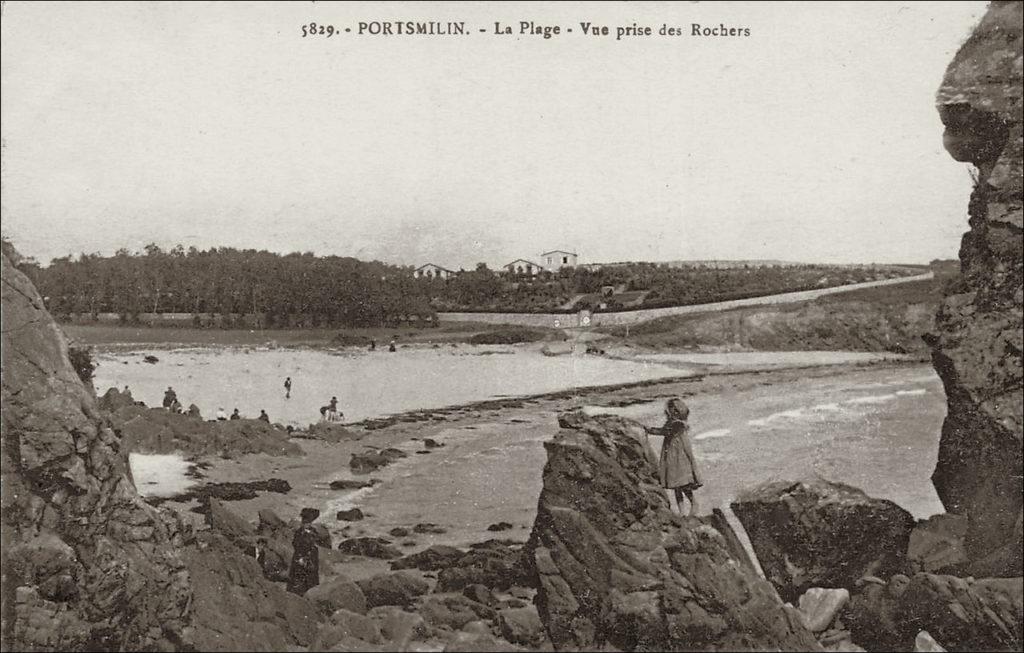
(822, 534)
(977, 347)
(615, 567)
(86, 563)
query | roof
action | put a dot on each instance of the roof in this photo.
(434, 265)
(559, 251)
(522, 260)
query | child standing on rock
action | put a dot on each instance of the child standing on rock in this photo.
(677, 466)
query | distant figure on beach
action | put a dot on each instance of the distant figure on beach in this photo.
(677, 466)
(221, 415)
(193, 411)
(391, 345)
(373, 344)
(169, 397)
(288, 388)
(175, 406)
(304, 573)
(332, 410)
(263, 416)
(235, 415)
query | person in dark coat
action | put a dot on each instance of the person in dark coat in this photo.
(235, 415)
(304, 572)
(263, 416)
(169, 397)
(288, 388)
(677, 467)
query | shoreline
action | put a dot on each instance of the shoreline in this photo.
(395, 502)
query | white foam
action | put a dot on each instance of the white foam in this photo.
(159, 475)
(914, 392)
(716, 433)
(826, 408)
(795, 413)
(871, 399)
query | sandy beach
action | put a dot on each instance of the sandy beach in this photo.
(870, 425)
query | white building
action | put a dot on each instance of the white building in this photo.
(522, 266)
(557, 259)
(431, 271)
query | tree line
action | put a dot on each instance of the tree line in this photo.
(298, 289)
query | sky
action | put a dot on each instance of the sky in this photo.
(814, 139)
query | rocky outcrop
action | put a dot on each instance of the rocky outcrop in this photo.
(157, 430)
(977, 344)
(822, 534)
(86, 563)
(616, 567)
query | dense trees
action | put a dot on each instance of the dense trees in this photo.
(299, 289)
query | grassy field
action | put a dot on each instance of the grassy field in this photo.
(105, 335)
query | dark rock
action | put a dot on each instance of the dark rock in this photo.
(323, 536)
(70, 509)
(336, 594)
(615, 567)
(495, 566)
(480, 594)
(428, 528)
(979, 330)
(398, 531)
(149, 358)
(269, 521)
(937, 543)
(353, 484)
(500, 526)
(228, 523)
(453, 611)
(433, 558)
(431, 443)
(822, 534)
(347, 631)
(399, 627)
(236, 608)
(370, 547)
(965, 614)
(393, 454)
(355, 514)
(399, 588)
(522, 626)
(364, 463)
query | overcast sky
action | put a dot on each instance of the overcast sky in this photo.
(209, 124)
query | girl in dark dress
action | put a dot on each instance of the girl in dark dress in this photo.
(304, 573)
(677, 466)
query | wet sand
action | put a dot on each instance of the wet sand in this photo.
(874, 426)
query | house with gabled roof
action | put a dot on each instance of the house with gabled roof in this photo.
(522, 266)
(557, 259)
(433, 271)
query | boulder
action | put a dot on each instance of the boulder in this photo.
(615, 567)
(818, 607)
(355, 514)
(925, 643)
(480, 594)
(337, 594)
(353, 484)
(494, 564)
(452, 611)
(522, 626)
(347, 631)
(476, 637)
(364, 463)
(978, 338)
(822, 534)
(433, 558)
(222, 519)
(370, 547)
(500, 526)
(400, 588)
(399, 628)
(937, 543)
(428, 528)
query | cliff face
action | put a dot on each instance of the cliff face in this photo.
(978, 341)
(86, 564)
